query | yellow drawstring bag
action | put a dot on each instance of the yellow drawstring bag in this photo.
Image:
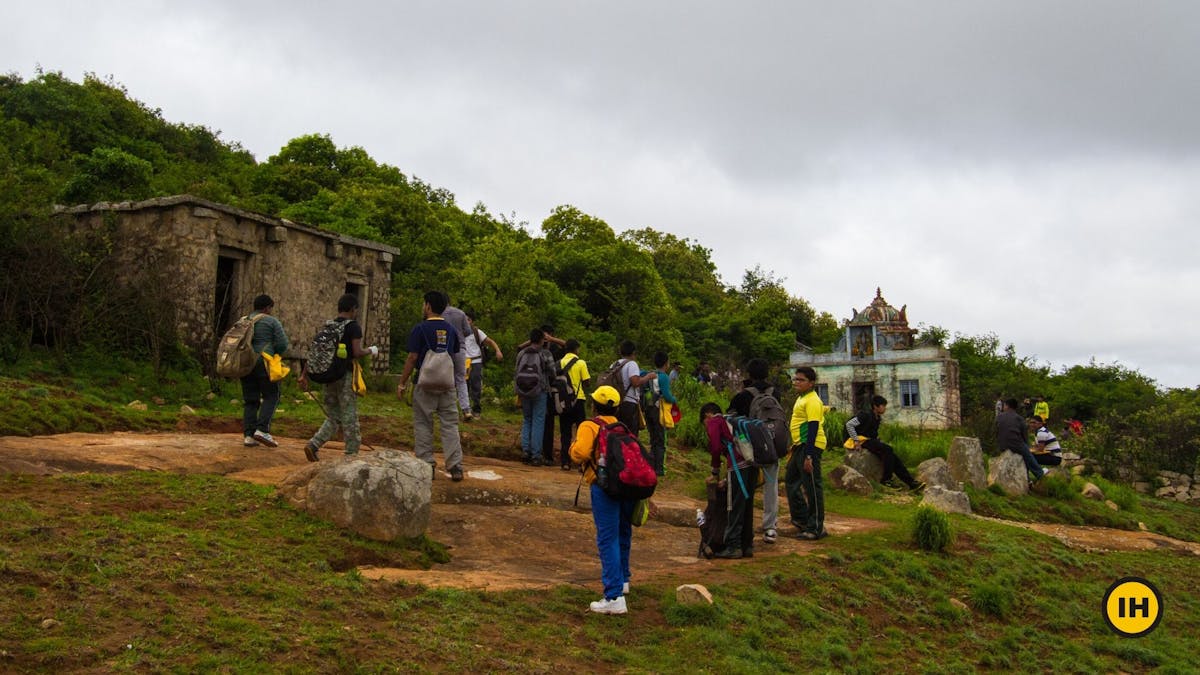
(665, 418)
(360, 385)
(849, 444)
(275, 368)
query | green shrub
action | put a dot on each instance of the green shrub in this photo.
(1059, 487)
(931, 529)
(992, 598)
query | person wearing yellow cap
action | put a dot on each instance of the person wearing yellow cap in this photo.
(613, 518)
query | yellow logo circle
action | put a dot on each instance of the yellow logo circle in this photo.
(1132, 607)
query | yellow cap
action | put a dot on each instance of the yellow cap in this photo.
(607, 396)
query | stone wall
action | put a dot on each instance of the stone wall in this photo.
(304, 269)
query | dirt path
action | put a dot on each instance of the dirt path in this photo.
(507, 525)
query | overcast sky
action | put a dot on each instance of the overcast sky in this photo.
(1029, 169)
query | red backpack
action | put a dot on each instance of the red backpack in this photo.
(624, 469)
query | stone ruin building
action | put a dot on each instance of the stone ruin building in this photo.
(219, 258)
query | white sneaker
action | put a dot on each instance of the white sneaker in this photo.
(265, 438)
(625, 588)
(616, 606)
(249, 442)
(770, 535)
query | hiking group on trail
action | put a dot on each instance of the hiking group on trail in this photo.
(748, 442)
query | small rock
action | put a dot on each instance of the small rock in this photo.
(209, 396)
(1142, 487)
(234, 401)
(137, 405)
(960, 604)
(187, 410)
(693, 594)
(158, 400)
(1112, 505)
(948, 501)
(1093, 491)
(1142, 527)
(47, 624)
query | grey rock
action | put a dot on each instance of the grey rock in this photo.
(1112, 505)
(936, 471)
(1142, 487)
(381, 495)
(844, 477)
(866, 464)
(966, 462)
(1093, 491)
(1008, 471)
(948, 501)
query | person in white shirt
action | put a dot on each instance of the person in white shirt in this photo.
(473, 347)
(1046, 449)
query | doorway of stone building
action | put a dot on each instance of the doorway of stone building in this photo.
(863, 393)
(359, 291)
(223, 310)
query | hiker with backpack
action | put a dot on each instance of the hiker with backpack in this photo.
(618, 472)
(575, 370)
(739, 484)
(431, 347)
(535, 368)
(802, 478)
(260, 396)
(759, 400)
(862, 431)
(655, 393)
(627, 378)
(330, 363)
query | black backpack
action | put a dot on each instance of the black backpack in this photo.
(561, 389)
(528, 380)
(327, 360)
(765, 407)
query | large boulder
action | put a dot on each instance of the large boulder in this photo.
(966, 462)
(1008, 471)
(865, 464)
(936, 472)
(948, 501)
(381, 495)
(846, 478)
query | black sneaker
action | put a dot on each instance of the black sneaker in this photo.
(310, 453)
(807, 535)
(730, 553)
(456, 474)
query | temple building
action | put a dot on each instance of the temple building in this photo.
(877, 355)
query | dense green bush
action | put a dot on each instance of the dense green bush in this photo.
(931, 529)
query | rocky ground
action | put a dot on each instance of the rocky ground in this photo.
(506, 525)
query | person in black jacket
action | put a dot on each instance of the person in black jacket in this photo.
(866, 425)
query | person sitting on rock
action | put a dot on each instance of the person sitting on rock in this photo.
(863, 429)
(1046, 449)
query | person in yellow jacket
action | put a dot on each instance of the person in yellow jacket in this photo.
(613, 518)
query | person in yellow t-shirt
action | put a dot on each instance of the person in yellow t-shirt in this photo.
(577, 370)
(802, 478)
(1041, 408)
